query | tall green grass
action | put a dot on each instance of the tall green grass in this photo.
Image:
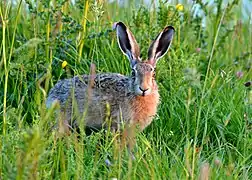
(203, 127)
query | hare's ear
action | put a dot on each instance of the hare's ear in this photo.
(160, 45)
(127, 43)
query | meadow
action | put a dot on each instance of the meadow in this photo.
(204, 124)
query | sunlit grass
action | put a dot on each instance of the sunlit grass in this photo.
(203, 126)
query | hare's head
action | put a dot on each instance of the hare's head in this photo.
(143, 72)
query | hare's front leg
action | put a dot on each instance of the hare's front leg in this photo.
(129, 138)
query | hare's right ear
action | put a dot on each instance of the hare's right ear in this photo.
(160, 45)
(127, 43)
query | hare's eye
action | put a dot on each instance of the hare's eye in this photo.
(133, 73)
(154, 74)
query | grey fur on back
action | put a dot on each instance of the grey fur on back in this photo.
(109, 90)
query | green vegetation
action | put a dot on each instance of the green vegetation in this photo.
(204, 123)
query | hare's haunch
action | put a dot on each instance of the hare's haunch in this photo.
(132, 100)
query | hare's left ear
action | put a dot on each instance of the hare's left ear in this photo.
(127, 43)
(160, 45)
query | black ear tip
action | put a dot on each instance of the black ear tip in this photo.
(169, 28)
(121, 24)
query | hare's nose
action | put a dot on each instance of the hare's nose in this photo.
(143, 89)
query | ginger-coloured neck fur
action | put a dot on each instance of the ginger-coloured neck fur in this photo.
(144, 109)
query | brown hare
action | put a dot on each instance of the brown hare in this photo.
(130, 100)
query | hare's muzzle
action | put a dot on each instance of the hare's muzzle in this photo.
(142, 91)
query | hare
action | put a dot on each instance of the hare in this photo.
(130, 100)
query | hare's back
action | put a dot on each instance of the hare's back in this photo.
(60, 92)
(113, 84)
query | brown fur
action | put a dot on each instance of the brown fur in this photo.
(145, 108)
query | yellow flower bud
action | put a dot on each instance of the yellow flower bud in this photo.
(64, 64)
(179, 7)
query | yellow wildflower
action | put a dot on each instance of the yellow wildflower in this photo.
(179, 7)
(64, 64)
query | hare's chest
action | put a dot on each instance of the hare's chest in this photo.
(144, 109)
